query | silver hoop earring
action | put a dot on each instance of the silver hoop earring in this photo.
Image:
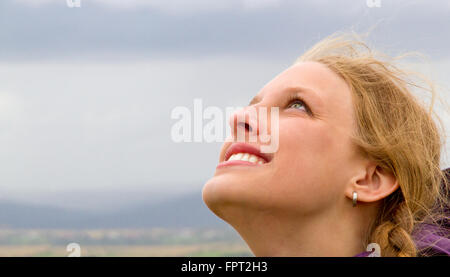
(355, 198)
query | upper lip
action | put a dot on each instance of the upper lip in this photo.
(246, 148)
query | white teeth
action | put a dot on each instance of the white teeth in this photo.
(246, 157)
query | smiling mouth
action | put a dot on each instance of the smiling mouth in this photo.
(244, 154)
(246, 157)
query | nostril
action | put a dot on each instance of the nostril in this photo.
(247, 126)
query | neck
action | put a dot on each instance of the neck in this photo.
(289, 236)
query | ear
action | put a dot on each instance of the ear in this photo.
(372, 184)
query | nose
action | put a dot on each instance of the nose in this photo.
(244, 123)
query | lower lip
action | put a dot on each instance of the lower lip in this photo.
(236, 162)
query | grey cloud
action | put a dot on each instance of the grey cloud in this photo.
(94, 31)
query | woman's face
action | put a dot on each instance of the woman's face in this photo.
(312, 167)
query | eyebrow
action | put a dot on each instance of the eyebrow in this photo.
(295, 89)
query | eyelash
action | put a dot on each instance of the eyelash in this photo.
(296, 99)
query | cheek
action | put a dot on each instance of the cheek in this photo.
(305, 166)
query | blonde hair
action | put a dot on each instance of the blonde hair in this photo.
(396, 131)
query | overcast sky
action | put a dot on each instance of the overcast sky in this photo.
(86, 93)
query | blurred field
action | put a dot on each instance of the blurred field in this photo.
(199, 250)
(123, 243)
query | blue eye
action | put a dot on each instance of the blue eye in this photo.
(298, 104)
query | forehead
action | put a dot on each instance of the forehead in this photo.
(327, 92)
(311, 75)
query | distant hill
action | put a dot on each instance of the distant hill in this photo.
(20, 215)
(183, 211)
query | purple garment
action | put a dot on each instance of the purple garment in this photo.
(434, 239)
(431, 239)
(363, 254)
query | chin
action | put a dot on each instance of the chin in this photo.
(215, 193)
(224, 197)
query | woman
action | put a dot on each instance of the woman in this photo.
(358, 162)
